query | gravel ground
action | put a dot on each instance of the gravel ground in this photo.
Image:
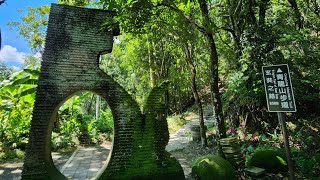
(186, 155)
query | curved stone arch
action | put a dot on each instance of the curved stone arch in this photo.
(75, 38)
(130, 117)
(126, 118)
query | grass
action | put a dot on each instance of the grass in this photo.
(175, 123)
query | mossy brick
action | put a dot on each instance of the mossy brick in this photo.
(75, 38)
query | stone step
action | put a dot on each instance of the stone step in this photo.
(229, 140)
(255, 171)
(230, 150)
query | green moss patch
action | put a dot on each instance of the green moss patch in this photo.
(269, 159)
(212, 167)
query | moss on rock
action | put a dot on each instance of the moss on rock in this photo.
(269, 159)
(213, 167)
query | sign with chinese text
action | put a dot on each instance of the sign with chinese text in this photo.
(278, 88)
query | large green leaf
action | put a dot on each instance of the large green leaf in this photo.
(16, 75)
(31, 82)
(26, 92)
(19, 81)
(6, 105)
(32, 72)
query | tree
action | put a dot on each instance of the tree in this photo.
(189, 58)
(33, 27)
(5, 71)
(141, 13)
(17, 97)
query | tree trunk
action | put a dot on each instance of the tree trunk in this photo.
(89, 107)
(97, 107)
(151, 66)
(236, 23)
(297, 13)
(196, 96)
(214, 79)
(263, 6)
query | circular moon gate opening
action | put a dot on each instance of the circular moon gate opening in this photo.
(82, 135)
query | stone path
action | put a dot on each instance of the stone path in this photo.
(181, 138)
(10, 171)
(84, 163)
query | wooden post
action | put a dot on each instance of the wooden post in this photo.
(282, 120)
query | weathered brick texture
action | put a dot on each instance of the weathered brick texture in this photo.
(75, 38)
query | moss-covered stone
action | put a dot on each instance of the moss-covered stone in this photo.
(75, 38)
(213, 167)
(269, 159)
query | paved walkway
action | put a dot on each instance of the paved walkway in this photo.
(182, 137)
(84, 163)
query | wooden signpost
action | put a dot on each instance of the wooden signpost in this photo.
(280, 99)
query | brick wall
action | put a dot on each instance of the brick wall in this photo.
(75, 38)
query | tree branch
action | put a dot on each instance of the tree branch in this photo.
(180, 12)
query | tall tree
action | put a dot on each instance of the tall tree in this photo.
(33, 27)
(135, 15)
(189, 58)
(214, 70)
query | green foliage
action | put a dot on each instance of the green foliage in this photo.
(269, 159)
(175, 123)
(81, 3)
(212, 166)
(60, 141)
(17, 98)
(11, 154)
(151, 49)
(306, 147)
(307, 164)
(5, 71)
(105, 122)
(33, 26)
(270, 37)
(76, 121)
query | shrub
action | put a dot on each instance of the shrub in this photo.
(212, 167)
(60, 141)
(11, 154)
(269, 159)
(105, 122)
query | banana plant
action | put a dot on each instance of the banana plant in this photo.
(17, 97)
(20, 86)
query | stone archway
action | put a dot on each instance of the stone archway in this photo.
(75, 38)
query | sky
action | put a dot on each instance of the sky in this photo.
(14, 47)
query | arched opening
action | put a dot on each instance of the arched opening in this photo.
(82, 135)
